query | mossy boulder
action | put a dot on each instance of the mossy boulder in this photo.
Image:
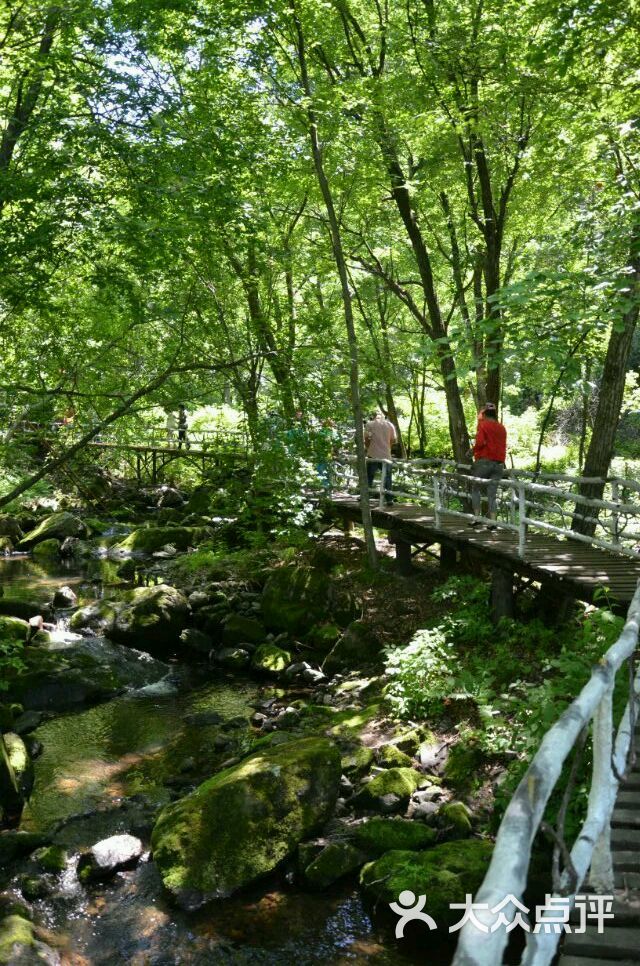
(47, 549)
(150, 617)
(21, 763)
(445, 874)
(295, 598)
(17, 844)
(389, 791)
(238, 629)
(24, 607)
(234, 658)
(455, 817)
(390, 756)
(10, 527)
(358, 645)
(240, 824)
(334, 861)
(464, 763)
(322, 637)
(51, 858)
(357, 761)
(380, 835)
(13, 629)
(152, 539)
(99, 616)
(16, 937)
(57, 526)
(270, 659)
(62, 675)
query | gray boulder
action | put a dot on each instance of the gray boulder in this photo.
(109, 856)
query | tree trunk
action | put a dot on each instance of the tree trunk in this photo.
(607, 416)
(341, 265)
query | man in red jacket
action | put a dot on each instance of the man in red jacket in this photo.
(489, 454)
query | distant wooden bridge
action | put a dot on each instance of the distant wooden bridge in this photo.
(149, 457)
(532, 536)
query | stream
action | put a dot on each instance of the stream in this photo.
(108, 769)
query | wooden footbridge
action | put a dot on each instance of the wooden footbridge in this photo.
(150, 456)
(532, 536)
(590, 915)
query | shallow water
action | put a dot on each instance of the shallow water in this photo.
(103, 770)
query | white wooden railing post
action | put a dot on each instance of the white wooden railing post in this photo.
(603, 787)
(436, 499)
(522, 515)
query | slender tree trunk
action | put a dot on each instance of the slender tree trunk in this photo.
(607, 416)
(341, 266)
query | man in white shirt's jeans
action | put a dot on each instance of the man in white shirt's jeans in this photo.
(379, 437)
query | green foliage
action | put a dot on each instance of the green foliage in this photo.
(11, 660)
(512, 681)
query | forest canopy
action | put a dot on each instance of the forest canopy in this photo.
(325, 207)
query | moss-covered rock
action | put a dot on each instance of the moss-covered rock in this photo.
(49, 549)
(51, 858)
(245, 820)
(270, 659)
(336, 860)
(464, 762)
(150, 617)
(389, 791)
(380, 835)
(20, 762)
(234, 658)
(358, 645)
(390, 756)
(322, 637)
(24, 607)
(16, 936)
(57, 526)
(238, 629)
(10, 527)
(296, 597)
(445, 874)
(99, 616)
(357, 761)
(6, 545)
(16, 844)
(152, 539)
(13, 629)
(456, 818)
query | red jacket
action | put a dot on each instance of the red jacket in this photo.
(491, 441)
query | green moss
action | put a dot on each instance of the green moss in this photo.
(52, 858)
(380, 835)
(457, 818)
(357, 762)
(396, 783)
(270, 659)
(390, 756)
(13, 629)
(245, 820)
(335, 861)
(14, 931)
(56, 526)
(464, 762)
(350, 724)
(445, 874)
(239, 629)
(47, 548)
(151, 539)
(15, 845)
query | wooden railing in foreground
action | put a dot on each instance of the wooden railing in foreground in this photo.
(507, 873)
(523, 503)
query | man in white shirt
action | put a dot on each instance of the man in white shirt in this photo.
(379, 437)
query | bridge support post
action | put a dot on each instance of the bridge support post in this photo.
(502, 599)
(448, 556)
(403, 557)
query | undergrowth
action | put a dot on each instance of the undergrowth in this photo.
(516, 677)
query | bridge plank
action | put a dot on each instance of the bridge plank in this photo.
(575, 568)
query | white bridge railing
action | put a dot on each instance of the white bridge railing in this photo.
(549, 502)
(484, 943)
